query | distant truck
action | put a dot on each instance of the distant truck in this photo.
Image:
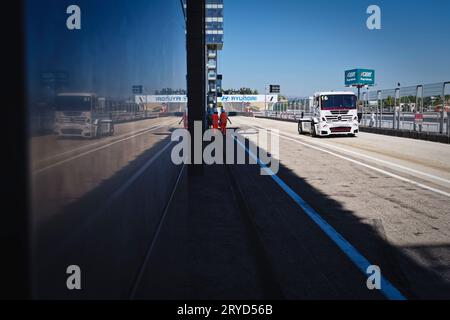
(82, 115)
(333, 113)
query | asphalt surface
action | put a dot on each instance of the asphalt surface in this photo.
(94, 204)
(110, 205)
(387, 196)
(399, 187)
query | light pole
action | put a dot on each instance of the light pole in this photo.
(397, 97)
(366, 104)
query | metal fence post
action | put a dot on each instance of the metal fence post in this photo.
(441, 121)
(448, 123)
(419, 103)
(415, 109)
(394, 110)
(397, 99)
(444, 102)
(363, 109)
(380, 99)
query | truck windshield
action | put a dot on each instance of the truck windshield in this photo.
(73, 103)
(338, 102)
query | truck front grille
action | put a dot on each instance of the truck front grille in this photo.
(341, 130)
(77, 120)
(72, 131)
(336, 118)
(339, 112)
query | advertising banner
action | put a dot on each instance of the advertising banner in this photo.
(360, 77)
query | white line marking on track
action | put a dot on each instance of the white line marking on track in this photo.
(375, 159)
(90, 145)
(387, 288)
(393, 175)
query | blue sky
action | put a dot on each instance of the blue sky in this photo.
(121, 43)
(305, 46)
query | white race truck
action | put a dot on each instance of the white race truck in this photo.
(332, 113)
(81, 115)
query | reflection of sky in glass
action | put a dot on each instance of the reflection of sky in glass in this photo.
(121, 43)
(305, 46)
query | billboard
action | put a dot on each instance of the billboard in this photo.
(55, 79)
(160, 98)
(138, 89)
(256, 98)
(274, 88)
(360, 77)
(226, 98)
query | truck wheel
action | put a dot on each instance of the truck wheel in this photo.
(313, 130)
(300, 129)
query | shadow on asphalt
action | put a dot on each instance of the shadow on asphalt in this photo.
(107, 239)
(203, 251)
(368, 237)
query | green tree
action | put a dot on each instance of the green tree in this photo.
(242, 90)
(389, 101)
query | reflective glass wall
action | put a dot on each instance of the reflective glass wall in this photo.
(99, 137)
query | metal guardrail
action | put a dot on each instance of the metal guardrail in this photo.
(44, 123)
(386, 129)
(431, 123)
(393, 108)
(288, 115)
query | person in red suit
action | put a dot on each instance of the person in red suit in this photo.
(215, 120)
(223, 121)
(184, 119)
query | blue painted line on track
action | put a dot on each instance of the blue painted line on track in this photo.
(387, 288)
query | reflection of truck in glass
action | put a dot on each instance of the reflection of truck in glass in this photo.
(82, 115)
(333, 113)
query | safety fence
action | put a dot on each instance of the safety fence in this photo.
(415, 108)
(422, 108)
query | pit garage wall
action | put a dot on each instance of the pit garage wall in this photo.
(106, 58)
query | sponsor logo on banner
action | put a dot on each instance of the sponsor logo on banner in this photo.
(248, 98)
(270, 98)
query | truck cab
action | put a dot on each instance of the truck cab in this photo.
(80, 115)
(333, 113)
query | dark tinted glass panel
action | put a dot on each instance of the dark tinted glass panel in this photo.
(99, 137)
(338, 101)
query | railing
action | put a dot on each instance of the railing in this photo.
(430, 123)
(283, 115)
(421, 108)
(44, 123)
